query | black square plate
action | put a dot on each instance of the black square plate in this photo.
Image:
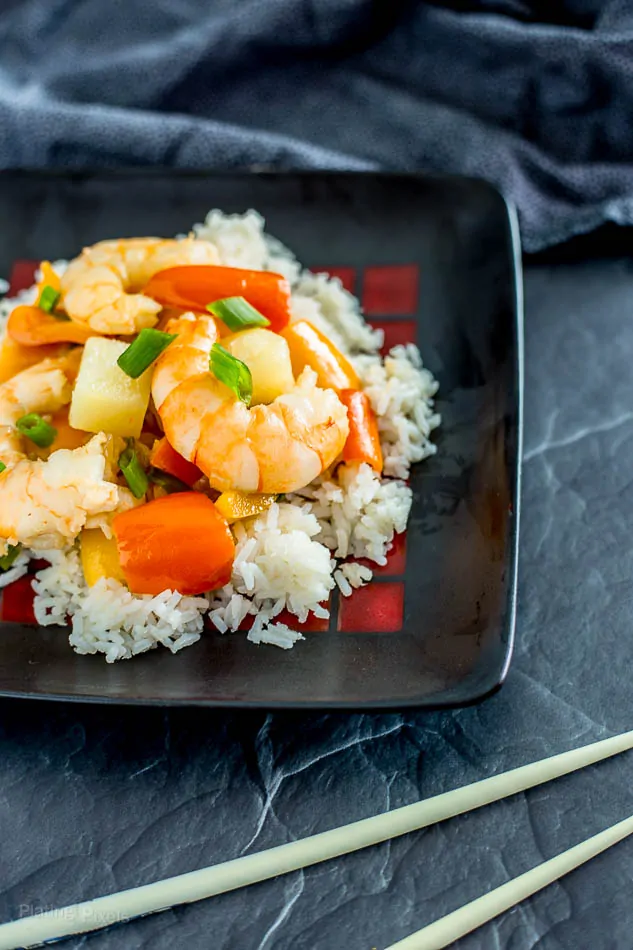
(437, 627)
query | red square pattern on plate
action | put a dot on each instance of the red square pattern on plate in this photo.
(377, 608)
(17, 601)
(346, 275)
(22, 276)
(396, 331)
(391, 289)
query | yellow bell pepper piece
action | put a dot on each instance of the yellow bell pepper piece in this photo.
(309, 347)
(234, 505)
(99, 556)
(67, 437)
(50, 278)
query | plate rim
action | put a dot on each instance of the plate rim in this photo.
(518, 368)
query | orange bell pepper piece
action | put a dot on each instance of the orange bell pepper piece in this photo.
(179, 542)
(309, 347)
(14, 357)
(164, 457)
(363, 441)
(193, 286)
(31, 326)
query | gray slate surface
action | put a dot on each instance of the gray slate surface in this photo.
(97, 799)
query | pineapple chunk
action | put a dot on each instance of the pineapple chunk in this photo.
(105, 399)
(267, 356)
(234, 505)
(99, 557)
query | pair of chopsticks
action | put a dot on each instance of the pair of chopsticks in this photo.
(207, 882)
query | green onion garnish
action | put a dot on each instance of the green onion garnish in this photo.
(7, 560)
(49, 298)
(170, 483)
(133, 471)
(36, 429)
(237, 313)
(142, 352)
(232, 372)
(2, 467)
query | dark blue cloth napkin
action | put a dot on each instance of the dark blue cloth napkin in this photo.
(535, 95)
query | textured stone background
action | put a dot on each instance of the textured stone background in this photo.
(96, 799)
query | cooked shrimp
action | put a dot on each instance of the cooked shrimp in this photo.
(270, 448)
(100, 288)
(44, 387)
(11, 446)
(45, 505)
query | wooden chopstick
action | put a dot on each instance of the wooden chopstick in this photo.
(208, 882)
(446, 930)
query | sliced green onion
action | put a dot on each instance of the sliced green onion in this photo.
(170, 483)
(2, 467)
(36, 429)
(49, 298)
(232, 372)
(133, 471)
(237, 313)
(7, 560)
(142, 352)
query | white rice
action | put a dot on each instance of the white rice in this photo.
(19, 568)
(291, 557)
(400, 390)
(108, 619)
(278, 565)
(351, 576)
(358, 512)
